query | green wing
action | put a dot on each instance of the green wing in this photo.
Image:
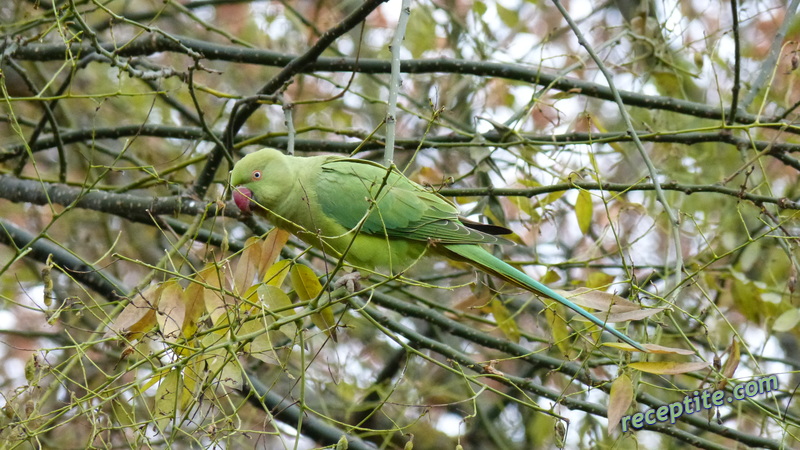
(347, 189)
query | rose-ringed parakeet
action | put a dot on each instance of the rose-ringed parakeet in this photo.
(373, 216)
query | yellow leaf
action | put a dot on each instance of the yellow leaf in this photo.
(599, 280)
(669, 368)
(220, 364)
(277, 273)
(619, 400)
(523, 204)
(123, 412)
(554, 313)
(305, 282)
(584, 210)
(551, 276)
(505, 322)
(308, 287)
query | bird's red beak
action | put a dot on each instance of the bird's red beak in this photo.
(242, 197)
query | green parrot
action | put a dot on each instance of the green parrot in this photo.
(373, 216)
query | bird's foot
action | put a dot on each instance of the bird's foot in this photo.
(349, 281)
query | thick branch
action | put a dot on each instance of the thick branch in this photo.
(687, 189)
(133, 207)
(106, 285)
(287, 411)
(776, 149)
(155, 43)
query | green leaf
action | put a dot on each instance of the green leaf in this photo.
(787, 321)
(421, 31)
(166, 406)
(508, 16)
(276, 301)
(479, 8)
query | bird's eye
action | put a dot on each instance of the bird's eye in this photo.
(256, 175)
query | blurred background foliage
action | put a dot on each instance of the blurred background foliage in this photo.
(131, 317)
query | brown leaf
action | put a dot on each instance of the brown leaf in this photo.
(139, 316)
(271, 249)
(599, 300)
(733, 360)
(619, 400)
(247, 265)
(668, 367)
(651, 348)
(624, 316)
(217, 303)
(194, 296)
(171, 311)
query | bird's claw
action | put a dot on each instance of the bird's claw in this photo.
(349, 281)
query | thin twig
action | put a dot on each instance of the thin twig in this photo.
(394, 81)
(737, 63)
(651, 169)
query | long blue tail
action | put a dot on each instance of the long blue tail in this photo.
(485, 261)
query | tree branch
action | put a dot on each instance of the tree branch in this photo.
(104, 284)
(134, 207)
(156, 43)
(292, 68)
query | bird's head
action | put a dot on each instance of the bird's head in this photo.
(257, 177)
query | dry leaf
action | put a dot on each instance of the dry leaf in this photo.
(619, 400)
(139, 316)
(731, 364)
(171, 311)
(599, 300)
(668, 367)
(216, 302)
(247, 266)
(651, 348)
(624, 316)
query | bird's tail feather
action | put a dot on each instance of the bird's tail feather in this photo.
(484, 260)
